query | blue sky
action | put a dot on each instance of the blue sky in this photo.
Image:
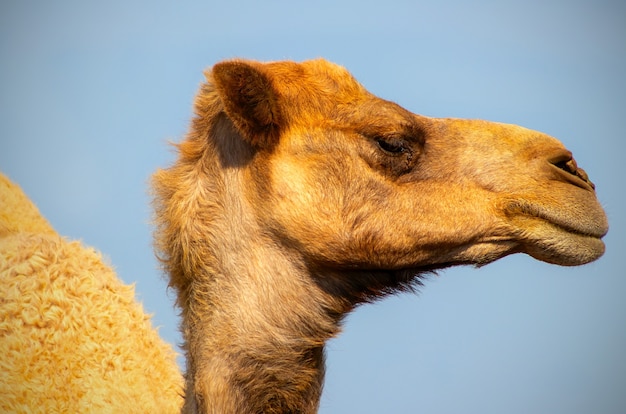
(92, 92)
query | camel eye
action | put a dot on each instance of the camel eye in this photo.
(392, 155)
(391, 146)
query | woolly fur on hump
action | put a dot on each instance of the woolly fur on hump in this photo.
(72, 336)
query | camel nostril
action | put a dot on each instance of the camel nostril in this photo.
(569, 166)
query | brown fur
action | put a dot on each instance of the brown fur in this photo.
(298, 195)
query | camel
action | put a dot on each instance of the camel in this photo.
(296, 196)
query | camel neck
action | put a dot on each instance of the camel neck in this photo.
(255, 336)
(254, 319)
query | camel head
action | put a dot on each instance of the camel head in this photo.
(298, 194)
(352, 181)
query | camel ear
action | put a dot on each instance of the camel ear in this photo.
(250, 101)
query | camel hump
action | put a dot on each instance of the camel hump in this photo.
(17, 213)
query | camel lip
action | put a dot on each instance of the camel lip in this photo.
(598, 233)
(534, 211)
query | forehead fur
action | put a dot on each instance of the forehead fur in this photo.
(315, 76)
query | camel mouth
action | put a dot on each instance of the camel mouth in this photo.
(564, 222)
(564, 236)
(573, 228)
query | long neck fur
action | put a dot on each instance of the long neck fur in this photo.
(253, 319)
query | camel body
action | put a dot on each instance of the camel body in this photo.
(297, 195)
